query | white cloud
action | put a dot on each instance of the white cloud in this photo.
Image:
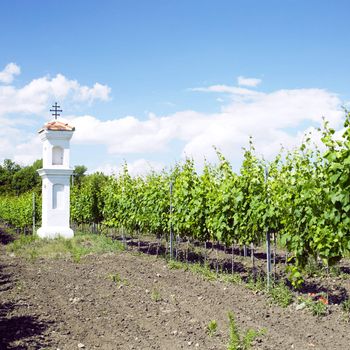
(234, 90)
(18, 145)
(130, 135)
(273, 119)
(97, 92)
(36, 96)
(29, 151)
(276, 118)
(8, 73)
(252, 82)
(138, 167)
(19, 108)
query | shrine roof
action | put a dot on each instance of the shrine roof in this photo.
(56, 125)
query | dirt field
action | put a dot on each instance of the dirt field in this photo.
(129, 301)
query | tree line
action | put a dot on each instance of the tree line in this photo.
(16, 179)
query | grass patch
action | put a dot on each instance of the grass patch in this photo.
(233, 278)
(280, 294)
(257, 284)
(21, 242)
(32, 247)
(177, 265)
(197, 268)
(204, 271)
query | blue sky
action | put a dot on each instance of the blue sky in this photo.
(171, 66)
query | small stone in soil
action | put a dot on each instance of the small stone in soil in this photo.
(300, 306)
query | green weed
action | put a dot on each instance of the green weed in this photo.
(19, 286)
(257, 285)
(155, 295)
(238, 341)
(212, 327)
(313, 268)
(281, 294)
(346, 306)
(317, 307)
(117, 279)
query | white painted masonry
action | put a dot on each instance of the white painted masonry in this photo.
(55, 174)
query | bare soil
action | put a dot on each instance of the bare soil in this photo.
(134, 301)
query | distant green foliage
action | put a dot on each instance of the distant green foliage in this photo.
(87, 200)
(136, 203)
(78, 175)
(18, 211)
(17, 185)
(16, 180)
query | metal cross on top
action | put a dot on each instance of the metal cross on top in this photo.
(56, 110)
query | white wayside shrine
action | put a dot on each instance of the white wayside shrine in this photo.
(55, 175)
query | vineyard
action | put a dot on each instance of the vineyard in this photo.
(268, 243)
(301, 199)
